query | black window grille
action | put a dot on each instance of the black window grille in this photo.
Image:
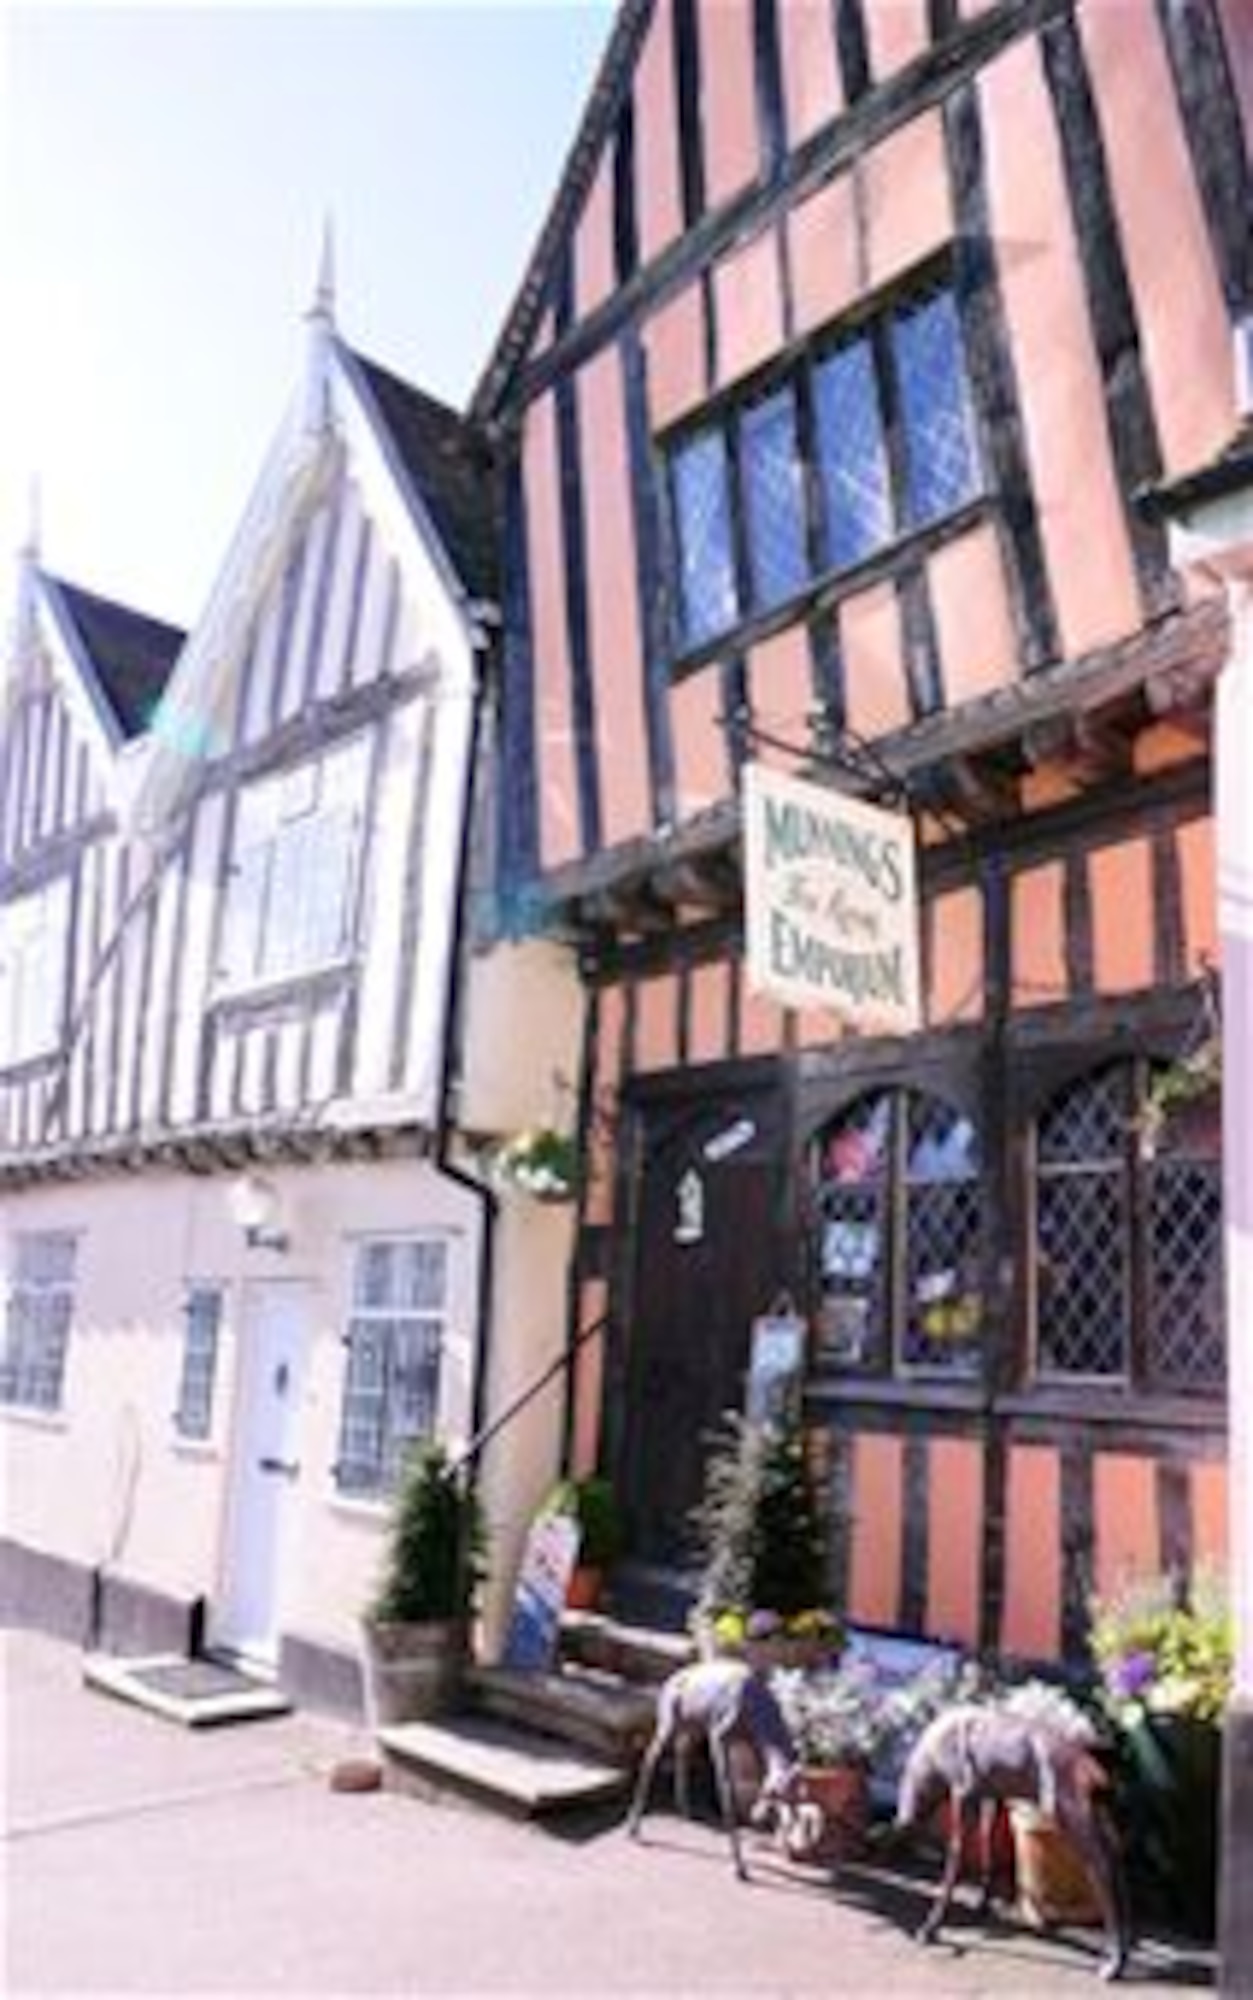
(1127, 1261)
(899, 1219)
(38, 1316)
(395, 1340)
(202, 1316)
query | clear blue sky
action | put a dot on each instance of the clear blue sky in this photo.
(164, 172)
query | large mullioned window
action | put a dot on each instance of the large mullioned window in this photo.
(34, 938)
(38, 1314)
(757, 515)
(1127, 1256)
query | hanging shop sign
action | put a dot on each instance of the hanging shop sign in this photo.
(831, 901)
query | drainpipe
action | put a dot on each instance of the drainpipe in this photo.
(482, 615)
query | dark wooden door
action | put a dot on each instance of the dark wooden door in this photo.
(706, 1262)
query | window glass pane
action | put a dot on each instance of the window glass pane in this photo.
(774, 499)
(1083, 1272)
(708, 599)
(1187, 1339)
(935, 409)
(852, 1209)
(943, 1232)
(38, 1315)
(194, 1416)
(1086, 1122)
(852, 459)
(391, 1380)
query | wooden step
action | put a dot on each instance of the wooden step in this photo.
(603, 1715)
(635, 1652)
(495, 1764)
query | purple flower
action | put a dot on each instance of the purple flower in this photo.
(1131, 1674)
(763, 1624)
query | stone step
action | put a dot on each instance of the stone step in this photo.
(608, 1717)
(495, 1764)
(635, 1652)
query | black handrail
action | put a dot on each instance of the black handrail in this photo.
(563, 1362)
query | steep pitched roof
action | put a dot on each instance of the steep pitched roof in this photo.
(130, 654)
(611, 83)
(448, 463)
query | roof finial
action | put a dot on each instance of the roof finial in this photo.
(323, 306)
(29, 550)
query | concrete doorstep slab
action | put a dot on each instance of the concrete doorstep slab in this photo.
(197, 1693)
(485, 1759)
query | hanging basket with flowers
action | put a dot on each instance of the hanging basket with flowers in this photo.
(540, 1162)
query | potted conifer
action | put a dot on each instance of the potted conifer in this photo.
(416, 1629)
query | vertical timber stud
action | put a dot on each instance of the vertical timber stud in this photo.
(768, 76)
(1078, 1544)
(687, 71)
(1174, 1517)
(915, 1533)
(574, 537)
(1212, 127)
(851, 48)
(994, 382)
(651, 568)
(518, 857)
(1000, 1358)
(1111, 308)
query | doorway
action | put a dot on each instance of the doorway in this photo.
(265, 1468)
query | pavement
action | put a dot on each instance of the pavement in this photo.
(142, 1857)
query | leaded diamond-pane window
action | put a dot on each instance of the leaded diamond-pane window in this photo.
(852, 455)
(774, 499)
(942, 469)
(943, 1301)
(1128, 1241)
(395, 1340)
(702, 506)
(899, 1219)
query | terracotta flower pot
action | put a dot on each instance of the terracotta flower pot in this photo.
(1053, 1885)
(842, 1791)
(584, 1588)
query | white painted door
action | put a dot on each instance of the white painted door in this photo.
(266, 1468)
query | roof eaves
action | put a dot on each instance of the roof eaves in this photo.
(614, 74)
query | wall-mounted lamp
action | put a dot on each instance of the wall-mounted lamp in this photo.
(256, 1209)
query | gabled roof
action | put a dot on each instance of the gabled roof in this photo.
(130, 654)
(448, 462)
(612, 81)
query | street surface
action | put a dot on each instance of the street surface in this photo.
(140, 1857)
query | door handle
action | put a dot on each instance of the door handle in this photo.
(289, 1467)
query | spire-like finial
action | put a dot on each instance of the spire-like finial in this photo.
(29, 550)
(324, 294)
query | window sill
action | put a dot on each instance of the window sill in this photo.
(34, 1419)
(202, 1451)
(262, 994)
(1103, 1404)
(369, 1509)
(934, 1392)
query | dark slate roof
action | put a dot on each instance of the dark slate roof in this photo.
(447, 461)
(609, 88)
(131, 655)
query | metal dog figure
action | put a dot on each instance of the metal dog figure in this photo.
(717, 1701)
(975, 1755)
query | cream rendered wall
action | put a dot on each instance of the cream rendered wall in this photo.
(66, 1476)
(524, 1020)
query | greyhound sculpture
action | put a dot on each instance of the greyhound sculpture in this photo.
(978, 1755)
(718, 1701)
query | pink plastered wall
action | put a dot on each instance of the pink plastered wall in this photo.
(1209, 1514)
(824, 246)
(748, 296)
(955, 988)
(613, 600)
(896, 33)
(674, 342)
(1031, 1626)
(978, 649)
(1038, 934)
(554, 719)
(1121, 886)
(874, 1581)
(954, 1539)
(702, 773)
(1063, 405)
(875, 692)
(761, 1021)
(1198, 875)
(908, 200)
(781, 690)
(1185, 333)
(1127, 1534)
(811, 78)
(594, 275)
(732, 149)
(657, 1022)
(658, 184)
(709, 1013)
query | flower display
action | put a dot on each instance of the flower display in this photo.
(540, 1162)
(1164, 1646)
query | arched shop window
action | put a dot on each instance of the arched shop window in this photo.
(1127, 1265)
(899, 1220)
